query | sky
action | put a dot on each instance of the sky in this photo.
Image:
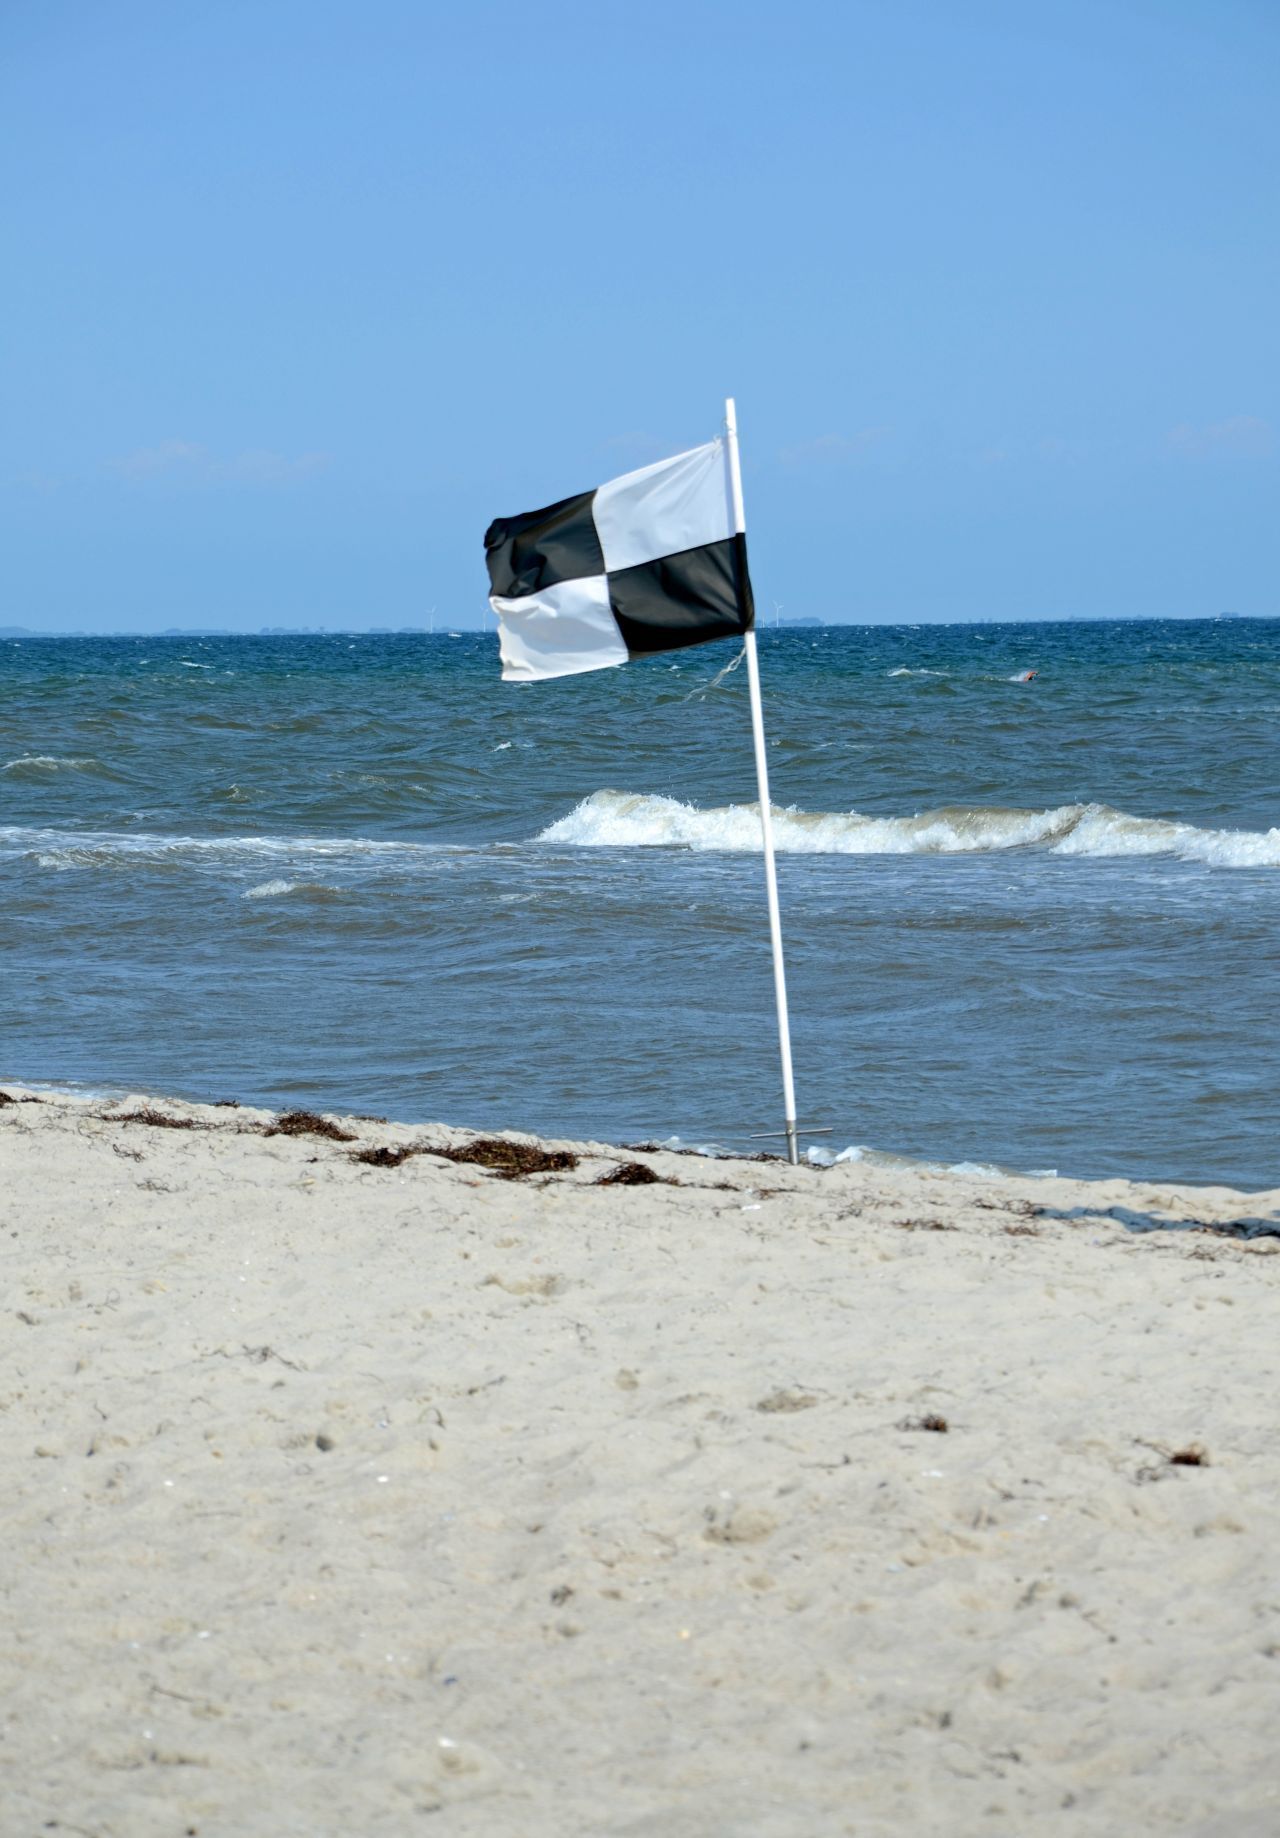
(301, 294)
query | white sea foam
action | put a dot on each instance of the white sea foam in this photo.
(97, 848)
(270, 890)
(827, 1158)
(48, 762)
(818, 1156)
(903, 670)
(280, 889)
(621, 819)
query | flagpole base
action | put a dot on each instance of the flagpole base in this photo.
(793, 1151)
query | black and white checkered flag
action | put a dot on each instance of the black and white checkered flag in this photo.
(652, 561)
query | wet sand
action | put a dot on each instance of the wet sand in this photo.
(750, 1502)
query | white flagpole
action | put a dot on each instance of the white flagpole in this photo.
(766, 813)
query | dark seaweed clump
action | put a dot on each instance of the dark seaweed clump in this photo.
(628, 1174)
(383, 1158)
(307, 1123)
(510, 1160)
(157, 1119)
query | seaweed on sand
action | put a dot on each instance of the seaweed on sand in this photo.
(308, 1123)
(509, 1160)
(629, 1174)
(383, 1158)
(157, 1119)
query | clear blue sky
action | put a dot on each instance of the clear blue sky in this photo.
(301, 294)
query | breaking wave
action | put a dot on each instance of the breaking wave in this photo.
(619, 819)
(29, 765)
(280, 889)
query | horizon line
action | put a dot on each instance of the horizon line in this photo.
(793, 623)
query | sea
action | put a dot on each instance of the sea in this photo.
(1030, 921)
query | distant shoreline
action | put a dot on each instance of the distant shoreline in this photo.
(764, 627)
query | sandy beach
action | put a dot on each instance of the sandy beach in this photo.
(392, 1494)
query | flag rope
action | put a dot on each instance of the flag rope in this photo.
(702, 690)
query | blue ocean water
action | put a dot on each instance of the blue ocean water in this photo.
(1027, 922)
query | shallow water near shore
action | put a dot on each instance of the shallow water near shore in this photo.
(1029, 923)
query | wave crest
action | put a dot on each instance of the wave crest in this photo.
(115, 849)
(29, 765)
(619, 819)
(280, 889)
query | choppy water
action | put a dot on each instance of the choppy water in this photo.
(1029, 923)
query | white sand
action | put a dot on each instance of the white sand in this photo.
(620, 1531)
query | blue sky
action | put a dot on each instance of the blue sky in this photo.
(301, 294)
